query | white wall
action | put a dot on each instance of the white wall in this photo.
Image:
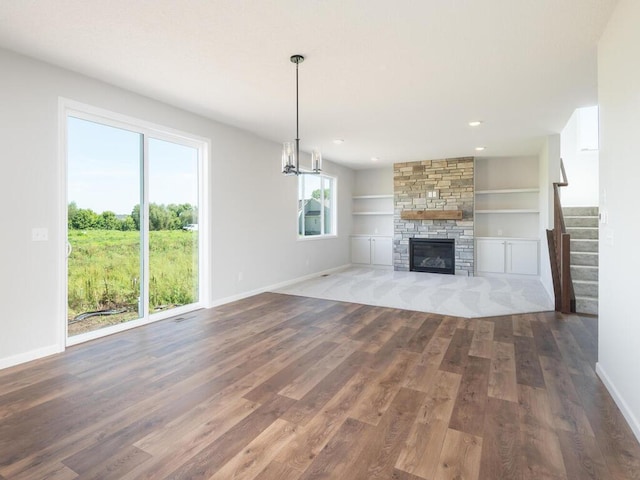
(374, 181)
(581, 167)
(549, 171)
(619, 99)
(253, 206)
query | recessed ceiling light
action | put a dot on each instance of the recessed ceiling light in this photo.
(475, 123)
(374, 159)
(479, 149)
(338, 141)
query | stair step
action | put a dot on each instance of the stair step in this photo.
(587, 305)
(585, 288)
(584, 258)
(584, 245)
(581, 221)
(580, 211)
(583, 232)
(584, 272)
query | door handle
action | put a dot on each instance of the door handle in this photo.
(69, 249)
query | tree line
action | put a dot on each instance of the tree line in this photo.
(161, 217)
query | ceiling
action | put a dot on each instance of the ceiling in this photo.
(397, 80)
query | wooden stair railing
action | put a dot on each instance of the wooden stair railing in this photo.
(559, 242)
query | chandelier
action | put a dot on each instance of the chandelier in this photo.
(291, 150)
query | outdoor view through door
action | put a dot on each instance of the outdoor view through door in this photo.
(133, 227)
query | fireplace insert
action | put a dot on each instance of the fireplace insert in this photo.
(433, 255)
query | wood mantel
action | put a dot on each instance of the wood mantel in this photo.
(431, 214)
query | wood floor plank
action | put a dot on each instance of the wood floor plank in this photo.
(482, 342)
(421, 376)
(424, 443)
(540, 447)
(502, 375)
(301, 385)
(528, 370)
(380, 392)
(613, 435)
(382, 444)
(469, 408)
(503, 329)
(501, 451)
(424, 334)
(434, 396)
(460, 457)
(284, 376)
(565, 404)
(572, 355)
(212, 456)
(522, 325)
(313, 437)
(582, 457)
(309, 405)
(544, 339)
(253, 458)
(455, 359)
(339, 453)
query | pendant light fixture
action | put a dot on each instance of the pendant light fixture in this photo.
(291, 150)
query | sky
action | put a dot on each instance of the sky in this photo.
(104, 166)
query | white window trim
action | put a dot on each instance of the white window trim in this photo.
(68, 107)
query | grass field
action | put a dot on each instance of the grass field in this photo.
(104, 271)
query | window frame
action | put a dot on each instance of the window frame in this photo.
(333, 201)
(71, 108)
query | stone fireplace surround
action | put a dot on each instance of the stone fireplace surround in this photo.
(452, 180)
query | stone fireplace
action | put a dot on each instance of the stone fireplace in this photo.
(434, 200)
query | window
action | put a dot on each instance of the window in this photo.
(316, 206)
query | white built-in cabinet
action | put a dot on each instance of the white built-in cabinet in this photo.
(512, 256)
(371, 250)
(507, 215)
(372, 236)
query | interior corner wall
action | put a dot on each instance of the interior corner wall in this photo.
(581, 167)
(374, 181)
(253, 207)
(619, 100)
(549, 170)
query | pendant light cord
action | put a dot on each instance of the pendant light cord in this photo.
(297, 124)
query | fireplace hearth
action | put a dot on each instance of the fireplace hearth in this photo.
(432, 255)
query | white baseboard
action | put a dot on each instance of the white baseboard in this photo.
(276, 286)
(622, 405)
(30, 356)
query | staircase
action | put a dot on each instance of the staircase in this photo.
(582, 224)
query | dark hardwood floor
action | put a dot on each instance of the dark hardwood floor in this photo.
(283, 387)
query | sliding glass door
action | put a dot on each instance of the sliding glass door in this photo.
(133, 224)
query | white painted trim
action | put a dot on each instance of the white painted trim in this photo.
(276, 286)
(30, 356)
(622, 405)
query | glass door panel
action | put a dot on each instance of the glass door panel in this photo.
(173, 225)
(105, 274)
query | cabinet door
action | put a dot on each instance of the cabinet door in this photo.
(522, 257)
(361, 250)
(381, 251)
(490, 256)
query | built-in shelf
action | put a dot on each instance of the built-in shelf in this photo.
(372, 213)
(507, 190)
(362, 197)
(509, 210)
